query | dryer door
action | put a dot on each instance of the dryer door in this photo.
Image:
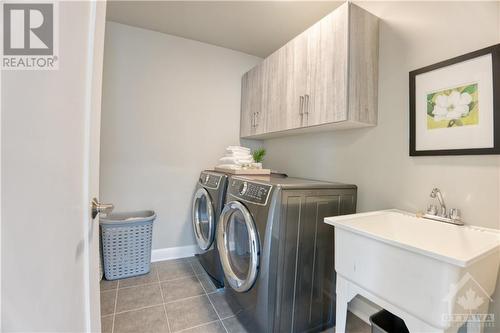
(238, 244)
(203, 219)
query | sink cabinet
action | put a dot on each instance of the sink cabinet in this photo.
(324, 78)
(400, 262)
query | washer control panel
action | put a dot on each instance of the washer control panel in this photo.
(250, 191)
(210, 180)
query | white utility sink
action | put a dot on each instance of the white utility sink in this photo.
(416, 268)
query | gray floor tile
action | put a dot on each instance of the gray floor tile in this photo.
(234, 326)
(151, 277)
(190, 312)
(149, 320)
(225, 305)
(108, 285)
(108, 302)
(138, 297)
(181, 288)
(192, 258)
(107, 324)
(215, 327)
(169, 270)
(198, 268)
(207, 283)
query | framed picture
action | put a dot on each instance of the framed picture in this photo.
(455, 106)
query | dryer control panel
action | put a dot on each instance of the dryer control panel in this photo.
(210, 180)
(250, 191)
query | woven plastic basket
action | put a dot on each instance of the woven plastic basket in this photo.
(126, 243)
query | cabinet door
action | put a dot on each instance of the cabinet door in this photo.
(328, 68)
(305, 50)
(298, 81)
(275, 81)
(312, 50)
(246, 122)
(251, 102)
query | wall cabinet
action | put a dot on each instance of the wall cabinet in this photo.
(251, 102)
(324, 78)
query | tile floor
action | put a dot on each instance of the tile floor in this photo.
(176, 296)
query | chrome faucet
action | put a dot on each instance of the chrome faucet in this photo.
(436, 193)
(453, 216)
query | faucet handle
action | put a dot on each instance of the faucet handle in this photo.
(432, 209)
(454, 214)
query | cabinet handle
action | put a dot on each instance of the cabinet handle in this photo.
(301, 105)
(256, 119)
(306, 103)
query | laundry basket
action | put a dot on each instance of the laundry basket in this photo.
(126, 243)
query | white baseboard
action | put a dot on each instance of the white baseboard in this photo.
(174, 252)
(363, 308)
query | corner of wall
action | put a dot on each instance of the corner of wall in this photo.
(498, 20)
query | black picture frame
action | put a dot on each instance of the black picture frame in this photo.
(494, 50)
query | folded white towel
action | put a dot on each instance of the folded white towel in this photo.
(232, 148)
(236, 160)
(237, 151)
(228, 160)
(229, 166)
(237, 154)
(235, 157)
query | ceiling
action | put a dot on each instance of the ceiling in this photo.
(254, 27)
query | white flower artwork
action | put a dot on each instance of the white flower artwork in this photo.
(453, 107)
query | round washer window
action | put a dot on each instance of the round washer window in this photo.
(238, 245)
(203, 219)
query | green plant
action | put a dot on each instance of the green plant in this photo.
(258, 155)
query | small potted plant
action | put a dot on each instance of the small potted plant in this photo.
(258, 156)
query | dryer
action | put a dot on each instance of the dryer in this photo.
(277, 253)
(208, 202)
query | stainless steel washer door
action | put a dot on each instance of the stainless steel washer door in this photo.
(203, 219)
(238, 245)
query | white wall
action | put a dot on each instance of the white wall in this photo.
(412, 35)
(170, 107)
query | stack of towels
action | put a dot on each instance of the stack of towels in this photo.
(235, 158)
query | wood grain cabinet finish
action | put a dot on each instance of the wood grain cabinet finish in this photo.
(251, 103)
(325, 78)
(275, 80)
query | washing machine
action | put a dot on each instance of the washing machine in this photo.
(277, 254)
(208, 202)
